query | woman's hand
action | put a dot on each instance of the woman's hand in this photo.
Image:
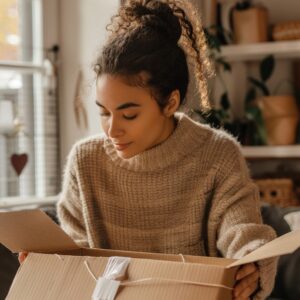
(247, 282)
(22, 256)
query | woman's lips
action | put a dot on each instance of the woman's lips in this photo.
(121, 147)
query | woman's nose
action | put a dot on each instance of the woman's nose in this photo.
(115, 129)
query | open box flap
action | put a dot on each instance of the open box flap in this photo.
(32, 231)
(284, 244)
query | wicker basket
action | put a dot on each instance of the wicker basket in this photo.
(277, 191)
(286, 31)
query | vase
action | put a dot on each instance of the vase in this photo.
(250, 25)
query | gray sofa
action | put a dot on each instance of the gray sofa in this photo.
(8, 267)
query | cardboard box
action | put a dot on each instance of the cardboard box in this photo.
(57, 268)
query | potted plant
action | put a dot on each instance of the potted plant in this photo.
(280, 112)
(249, 129)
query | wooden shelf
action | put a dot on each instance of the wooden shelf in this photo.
(265, 152)
(286, 49)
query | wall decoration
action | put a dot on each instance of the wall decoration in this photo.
(19, 161)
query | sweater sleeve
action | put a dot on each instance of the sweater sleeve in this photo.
(69, 207)
(237, 218)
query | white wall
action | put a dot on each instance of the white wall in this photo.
(82, 31)
(281, 10)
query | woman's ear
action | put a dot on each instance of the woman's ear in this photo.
(173, 104)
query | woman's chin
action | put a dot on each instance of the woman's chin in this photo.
(128, 152)
(125, 154)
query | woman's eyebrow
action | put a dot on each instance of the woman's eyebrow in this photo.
(122, 106)
(127, 105)
(97, 103)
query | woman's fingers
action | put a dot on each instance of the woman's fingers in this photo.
(246, 286)
(246, 270)
(22, 256)
(247, 292)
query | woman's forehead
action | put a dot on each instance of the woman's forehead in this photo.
(115, 88)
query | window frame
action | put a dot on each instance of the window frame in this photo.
(44, 12)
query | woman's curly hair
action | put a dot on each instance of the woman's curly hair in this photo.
(149, 44)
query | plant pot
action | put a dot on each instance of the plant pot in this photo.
(281, 117)
(250, 25)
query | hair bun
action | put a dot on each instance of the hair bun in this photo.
(157, 15)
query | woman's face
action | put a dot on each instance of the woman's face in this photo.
(130, 116)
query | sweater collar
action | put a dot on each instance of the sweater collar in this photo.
(184, 139)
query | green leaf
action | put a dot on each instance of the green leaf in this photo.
(226, 65)
(212, 40)
(243, 5)
(222, 115)
(267, 67)
(220, 31)
(254, 113)
(213, 118)
(260, 85)
(200, 113)
(225, 101)
(250, 96)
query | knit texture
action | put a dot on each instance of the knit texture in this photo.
(155, 201)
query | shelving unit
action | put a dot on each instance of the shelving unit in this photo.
(244, 59)
(252, 52)
(272, 152)
(287, 49)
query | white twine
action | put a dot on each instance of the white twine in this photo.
(158, 280)
(58, 256)
(182, 258)
(89, 270)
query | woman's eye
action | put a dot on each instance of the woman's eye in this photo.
(130, 117)
(104, 114)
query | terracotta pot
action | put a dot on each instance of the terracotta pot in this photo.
(281, 117)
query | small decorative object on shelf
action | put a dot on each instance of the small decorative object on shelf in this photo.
(286, 31)
(250, 23)
(277, 191)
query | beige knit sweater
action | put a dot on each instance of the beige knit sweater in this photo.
(156, 201)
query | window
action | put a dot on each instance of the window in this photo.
(28, 104)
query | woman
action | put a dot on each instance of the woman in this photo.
(158, 181)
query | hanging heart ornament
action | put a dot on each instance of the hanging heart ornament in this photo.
(19, 162)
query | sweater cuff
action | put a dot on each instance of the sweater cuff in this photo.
(267, 270)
